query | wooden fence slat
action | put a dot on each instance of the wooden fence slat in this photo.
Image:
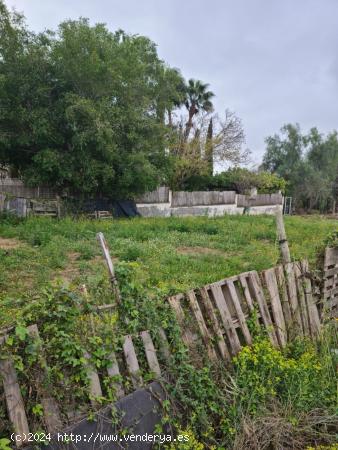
(246, 292)
(248, 298)
(150, 353)
(301, 299)
(175, 303)
(331, 293)
(263, 308)
(95, 390)
(14, 401)
(226, 318)
(164, 344)
(293, 300)
(314, 321)
(331, 272)
(330, 289)
(331, 257)
(239, 312)
(276, 307)
(222, 347)
(283, 295)
(51, 410)
(114, 371)
(207, 339)
(132, 362)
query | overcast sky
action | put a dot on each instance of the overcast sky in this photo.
(271, 61)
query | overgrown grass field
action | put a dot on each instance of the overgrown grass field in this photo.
(268, 398)
(170, 255)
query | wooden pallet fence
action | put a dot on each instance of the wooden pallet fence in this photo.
(13, 397)
(330, 287)
(128, 364)
(52, 414)
(279, 299)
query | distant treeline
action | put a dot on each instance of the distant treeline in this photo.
(308, 163)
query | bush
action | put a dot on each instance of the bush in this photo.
(238, 179)
(264, 373)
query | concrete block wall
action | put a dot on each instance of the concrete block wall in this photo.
(208, 203)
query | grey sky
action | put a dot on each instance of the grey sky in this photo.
(271, 61)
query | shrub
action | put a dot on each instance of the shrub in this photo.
(238, 179)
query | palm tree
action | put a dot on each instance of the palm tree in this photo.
(197, 98)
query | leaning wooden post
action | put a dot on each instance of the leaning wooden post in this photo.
(110, 266)
(282, 240)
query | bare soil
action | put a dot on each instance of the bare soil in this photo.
(9, 243)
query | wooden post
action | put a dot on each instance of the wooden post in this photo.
(15, 405)
(51, 410)
(283, 243)
(95, 391)
(110, 265)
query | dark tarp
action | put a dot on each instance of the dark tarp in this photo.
(139, 413)
(119, 208)
(125, 208)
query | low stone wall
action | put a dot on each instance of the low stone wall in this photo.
(211, 211)
(207, 203)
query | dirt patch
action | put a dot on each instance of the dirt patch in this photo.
(200, 251)
(9, 243)
(73, 256)
(71, 271)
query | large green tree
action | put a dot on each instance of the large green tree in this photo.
(82, 109)
(308, 162)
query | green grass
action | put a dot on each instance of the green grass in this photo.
(170, 254)
(269, 389)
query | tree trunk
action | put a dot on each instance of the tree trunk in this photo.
(209, 148)
(188, 126)
(170, 119)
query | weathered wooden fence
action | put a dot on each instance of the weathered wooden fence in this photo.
(218, 317)
(259, 200)
(208, 198)
(16, 188)
(279, 299)
(330, 288)
(160, 195)
(197, 198)
(127, 363)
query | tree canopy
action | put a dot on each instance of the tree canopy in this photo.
(91, 112)
(82, 108)
(308, 162)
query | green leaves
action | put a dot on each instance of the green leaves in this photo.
(308, 162)
(21, 332)
(83, 109)
(5, 444)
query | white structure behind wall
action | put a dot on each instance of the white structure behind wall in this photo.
(165, 203)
